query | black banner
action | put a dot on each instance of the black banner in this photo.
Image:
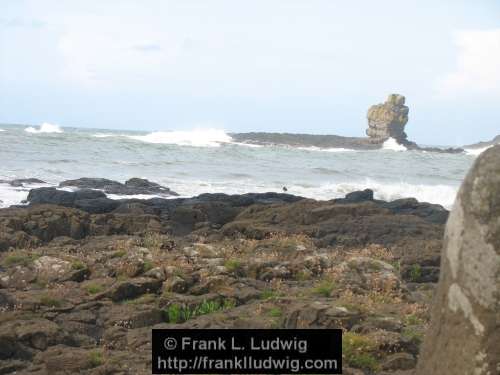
(247, 351)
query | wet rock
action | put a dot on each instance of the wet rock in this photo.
(358, 196)
(134, 186)
(92, 201)
(143, 186)
(464, 336)
(50, 195)
(20, 182)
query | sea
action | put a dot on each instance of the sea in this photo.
(209, 161)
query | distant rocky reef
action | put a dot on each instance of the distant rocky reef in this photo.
(385, 120)
(493, 142)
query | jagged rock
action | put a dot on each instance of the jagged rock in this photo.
(388, 120)
(358, 196)
(464, 336)
(131, 187)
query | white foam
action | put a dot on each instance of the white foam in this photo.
(44, 128)
(195, 138)
(2, 130)
(476, 151)
(393, 145)
(10, 195)
(105, 135)
(314, 148)
(253, 145)
(439, 194)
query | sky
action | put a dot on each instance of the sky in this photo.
(308, 66)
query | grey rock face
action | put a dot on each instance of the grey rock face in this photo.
(464, 336)
(388, 119)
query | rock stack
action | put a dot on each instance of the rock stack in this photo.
(464, 336)
(388, 120)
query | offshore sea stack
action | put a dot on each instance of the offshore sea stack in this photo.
(388, 120)
(464, 336)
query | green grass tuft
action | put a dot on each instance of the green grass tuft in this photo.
(19, 259)
(233, 265)
(415, 272)
(94, 288)
(324, 288)
(48, 301)
(95, 358)
(78, 265)
(176, 313)
(357, 351)
(275, 312)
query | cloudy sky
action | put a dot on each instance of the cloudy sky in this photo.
(266, 65)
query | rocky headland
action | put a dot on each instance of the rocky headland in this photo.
(385, 120)
(84, 278)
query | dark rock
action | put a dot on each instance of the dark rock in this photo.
(433, 213)
(142, 186)
(132, 288)
(358, 196)
(131, 187)
(96, 206)
(19, 182)
(50, 195)
(92, 183)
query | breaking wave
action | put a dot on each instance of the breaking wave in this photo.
(44, 128)
(439, 194)
(393, 145)
(476, 151)
(195, 138)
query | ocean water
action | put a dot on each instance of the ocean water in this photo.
(207, 160)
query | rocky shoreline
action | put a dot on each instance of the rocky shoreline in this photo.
(84, 278)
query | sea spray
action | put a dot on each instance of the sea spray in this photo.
(393, 145)
(195, 138)
(44, 128)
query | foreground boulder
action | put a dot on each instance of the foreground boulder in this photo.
(388, 120)
(464, 337)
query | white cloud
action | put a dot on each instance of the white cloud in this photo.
(478, 65)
